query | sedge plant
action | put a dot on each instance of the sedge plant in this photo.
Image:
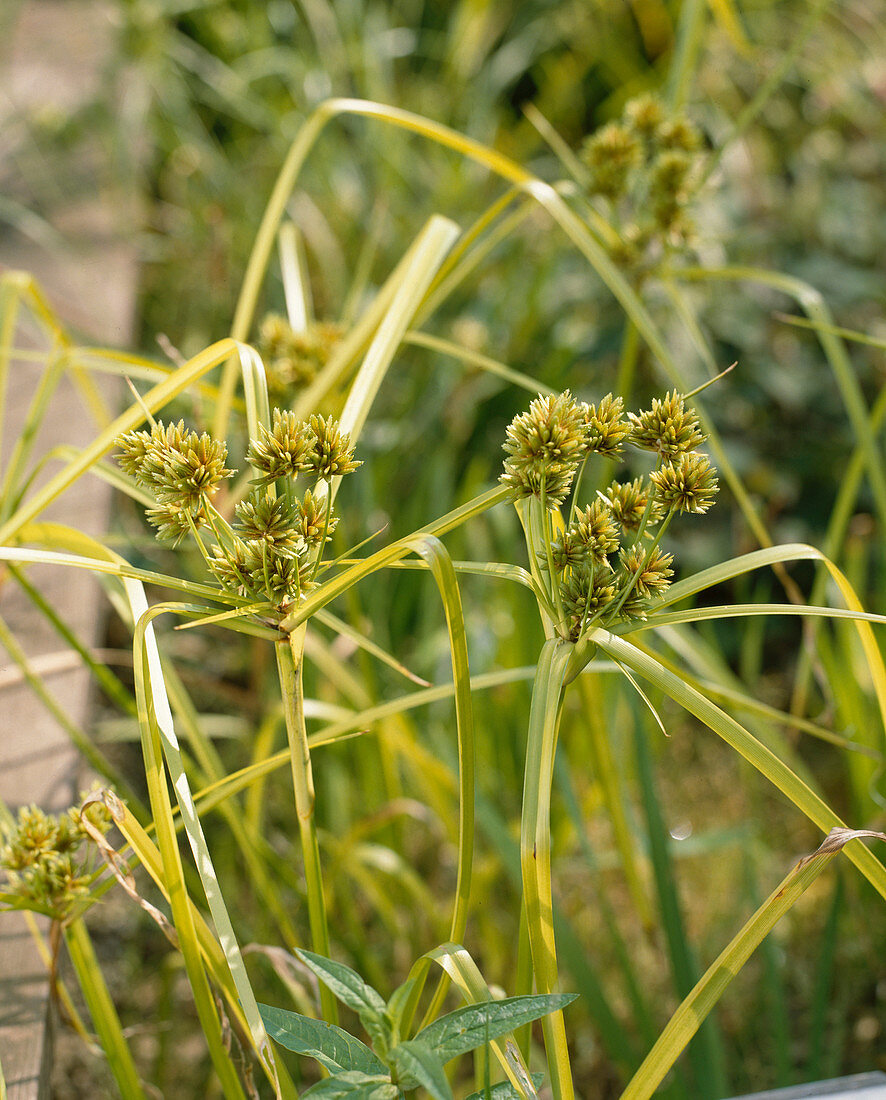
(598, 567)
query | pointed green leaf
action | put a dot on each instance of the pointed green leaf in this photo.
(399, 1000)
(353, 1085)
(417, 1064)
(505, 1090)
(473, 1025)
(351, 990)
(333, 1047)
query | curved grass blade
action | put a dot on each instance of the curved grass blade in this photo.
(173, 873)
(355, 341)
(158, 727)
(335, 586)
(359, 639)
(813, 304)
(294, 272)
(54, 533)
(734, 734)
(440, 564)
(10, 489)
(255, 390)
(430, 250)
(154, 399)
(456, 961)
(795, 552)
(746, 610)
(102, 1010)
(686, 1020)
(475, 359)
(706, 1055)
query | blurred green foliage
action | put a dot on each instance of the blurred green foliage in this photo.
(217, 91)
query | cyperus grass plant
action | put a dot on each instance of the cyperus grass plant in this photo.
(272, 555)
(50, 867)
(599, 567)
(600, 575)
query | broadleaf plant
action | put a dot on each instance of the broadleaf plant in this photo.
(357, 1070)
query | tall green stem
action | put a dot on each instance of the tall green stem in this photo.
(101, 1008)
(535, 848)
(290, 661)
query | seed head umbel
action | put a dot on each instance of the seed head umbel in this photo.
(311, 519)
(595, 529)
(679, 133)
(611, 154)
(585, 592)
(47, 859)
(652, 569)
(173, 523)
(293, 359)
(179, 467)
(644, 115)
(252, 568)
(272, 520)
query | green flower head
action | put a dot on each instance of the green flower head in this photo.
(179, 467)
(688, 483)
(331, 454)
(253, 569)
(281, 452)
(606, 431)
(293, 359)
(586, 592)
(611, 154)
(668, 428)
(628, 502)
(311, 519)
(46, 866)
(650, 571)
(546, 446)
(269, 519)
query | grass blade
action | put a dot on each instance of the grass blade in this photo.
(685, 1021)
(101, 1009)
(535, 848)
(761, 758)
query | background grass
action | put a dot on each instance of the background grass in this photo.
(221, 96)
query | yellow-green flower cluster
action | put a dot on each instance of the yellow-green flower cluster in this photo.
(182, 470)
(293, 359)
(272, 550)
(606, 560)
(645, 166)
(47, 860)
